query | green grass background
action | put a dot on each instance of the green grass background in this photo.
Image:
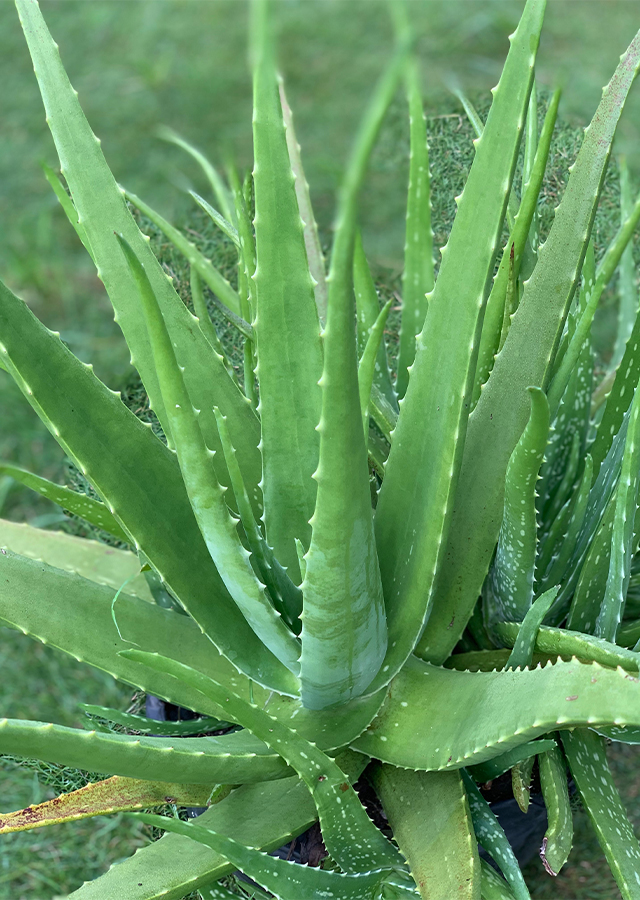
(183, 63)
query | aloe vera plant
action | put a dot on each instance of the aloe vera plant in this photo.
(438, 598)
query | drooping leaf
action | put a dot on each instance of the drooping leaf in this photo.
(415, 502)
(497, 766)
(499, 418)
(116, 794)
(144, 725)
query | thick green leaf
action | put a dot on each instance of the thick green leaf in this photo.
(281, 877)
(562, 642)
(497, 314)
(315, 255)
(287, 325)
(102, 210)
(152, 726)
(350, 836)
(489, 833)
(65, 603)
(229, 759)
(418, 273)
(90, 559)
(511, 579)
(497, 766)
(429, 815)
(523, 649)
(125, 463)
(587, 757)
(492, 886)
(369, 363)
(367, 312)
(206, 496)
(415, 502)
(344, 635)
(82, 505)
(627, 291)
(499, 418)
(480, 715)
(558, 838)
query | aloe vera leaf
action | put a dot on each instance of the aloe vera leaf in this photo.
(205, 268)
(368, 364)
(204, 319)
(67, 602)
(558, 838)
(97, 562)
(382, 413)
(496, 313)
(367, 312)
(288, 329)
(266, 815)
(531, 135)
(152, 726)
(566, 643)
(499, 418)
(497, 766)
(86, 507)
(339, 809)
(622, 537)
(604, 274)
(489, 833)
(315, 256)
(622, 734)
(492, 886)
(344, 635)
(420, 474)
(587, 758)
(510, 300)
(205, 494)
(560, 544)
(229, 759)
(591, 587)
(418, 274)
(429, 815)
(286, 596)
(103, 211)
(216, 182)
(500, 710)
(523, 649)
(489, 660)
(513, 569)
(67, 204)
(521, 775)
(217, 218)
(247, 260)
(627, 291)
(283, 878)
(115, 794)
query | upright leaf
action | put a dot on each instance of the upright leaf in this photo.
(627, 290)
(526, 358)
(415, 502)
(287, 326)
(344, 630)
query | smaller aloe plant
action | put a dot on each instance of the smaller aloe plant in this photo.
(444, 595)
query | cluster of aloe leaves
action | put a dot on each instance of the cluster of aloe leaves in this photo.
(431, 580)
